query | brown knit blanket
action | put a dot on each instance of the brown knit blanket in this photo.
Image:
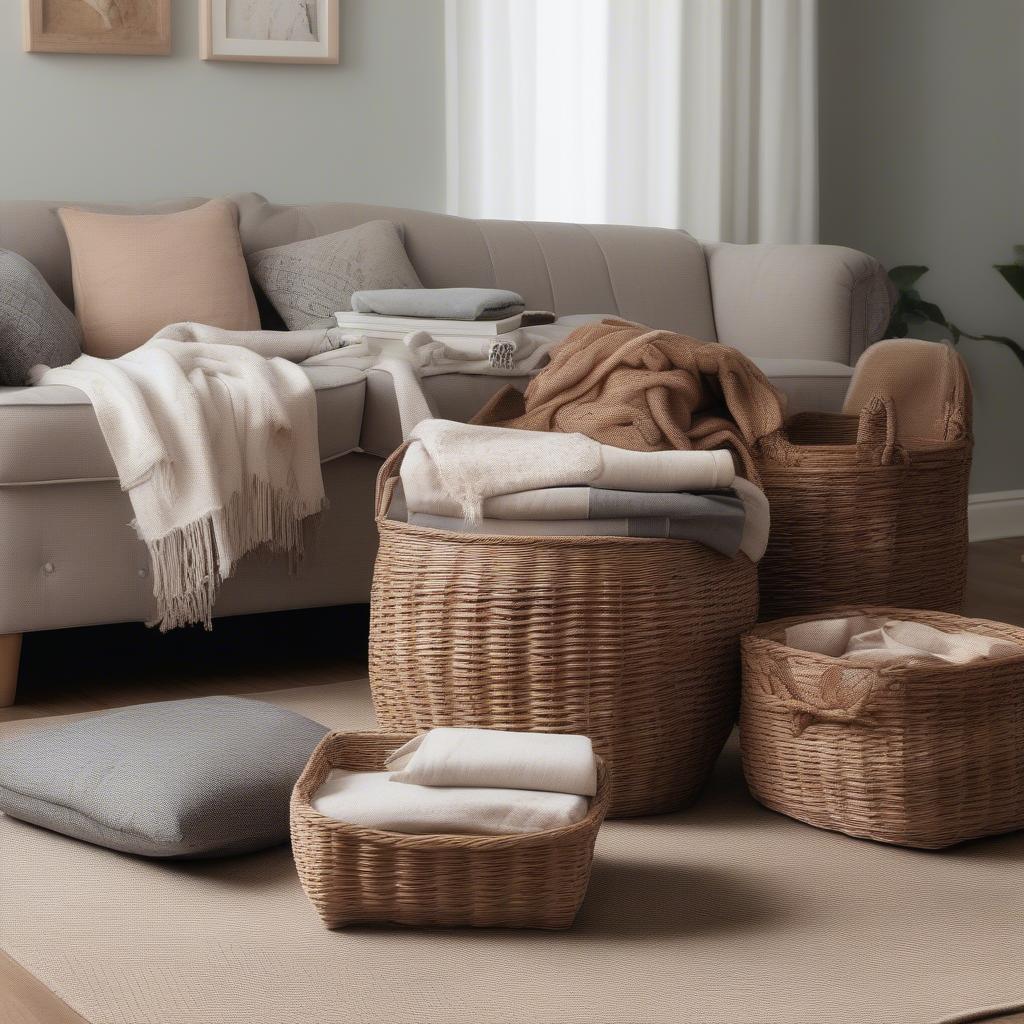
(629, 386)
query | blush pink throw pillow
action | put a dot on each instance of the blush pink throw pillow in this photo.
(136, 273)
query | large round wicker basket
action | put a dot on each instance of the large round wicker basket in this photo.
(924, 755)
(633, 642)
(356, 875)
(858, 518)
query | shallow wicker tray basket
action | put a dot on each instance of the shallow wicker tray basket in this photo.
(633, 642)
(358, 875)
(858, 518)
(927, 755)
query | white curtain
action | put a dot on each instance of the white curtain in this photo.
(699, 114)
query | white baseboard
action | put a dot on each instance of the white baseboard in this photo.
(996, 515)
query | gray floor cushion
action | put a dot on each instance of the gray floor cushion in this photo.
(187, 778)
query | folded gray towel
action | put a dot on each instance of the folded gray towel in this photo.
(721, 531)
(440, 303)
(608, 504)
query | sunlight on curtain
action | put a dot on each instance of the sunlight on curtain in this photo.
(683, 113)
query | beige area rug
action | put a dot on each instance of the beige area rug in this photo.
(727, 913)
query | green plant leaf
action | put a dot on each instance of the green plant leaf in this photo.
(1013, 275)
(905, 276)
(932, 312)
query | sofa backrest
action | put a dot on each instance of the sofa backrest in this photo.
(814, 302)
(652, 275)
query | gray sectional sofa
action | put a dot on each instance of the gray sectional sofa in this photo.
(67, 554)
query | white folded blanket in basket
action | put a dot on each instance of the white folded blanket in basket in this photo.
(425, 495)
(471, 463)
(488, 757)
(876, 639)
(373, 800)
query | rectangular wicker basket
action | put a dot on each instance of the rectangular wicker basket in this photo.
(924, 755)
(356, 875)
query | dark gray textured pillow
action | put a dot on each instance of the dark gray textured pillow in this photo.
(35, 326)
(205, 777)
(309, 281)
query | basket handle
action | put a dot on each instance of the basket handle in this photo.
(387, 480)
(876, 434)
(837, 701)
(876, 443)
(960, 410)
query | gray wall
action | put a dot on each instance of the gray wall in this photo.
(370, 129)
(922, 161)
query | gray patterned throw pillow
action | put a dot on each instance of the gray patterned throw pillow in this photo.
(309, 281)
(205, 777)
(35, 326)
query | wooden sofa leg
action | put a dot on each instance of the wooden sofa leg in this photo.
(10, 658)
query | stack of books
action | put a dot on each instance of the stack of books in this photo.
(373, 325)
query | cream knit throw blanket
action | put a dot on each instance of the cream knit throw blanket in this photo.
(216, 446)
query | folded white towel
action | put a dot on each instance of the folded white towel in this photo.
(488, 757)
(469, 464)
(877, 639)
(428, 497)
(372, 800)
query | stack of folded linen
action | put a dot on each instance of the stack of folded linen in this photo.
(494, 480)
(468, 782)
(471, 330)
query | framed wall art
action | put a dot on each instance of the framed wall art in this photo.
(281, 31)
(97, 26)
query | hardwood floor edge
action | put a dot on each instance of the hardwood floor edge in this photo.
(24, 999)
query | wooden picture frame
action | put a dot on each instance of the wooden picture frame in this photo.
(139, 27)
(215, 42)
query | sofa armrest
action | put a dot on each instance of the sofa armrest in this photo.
(798, 301)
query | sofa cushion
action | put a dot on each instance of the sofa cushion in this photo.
(50, 434)
(134, 275)
(35, 326)
(204, 777)
(810, 385)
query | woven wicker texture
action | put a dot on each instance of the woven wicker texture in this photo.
(632, 642)
(926, 755)
(358, 875)
(858, 518)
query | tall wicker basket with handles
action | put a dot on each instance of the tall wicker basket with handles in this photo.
(859, 517)
(926, 755)
(633, 642)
